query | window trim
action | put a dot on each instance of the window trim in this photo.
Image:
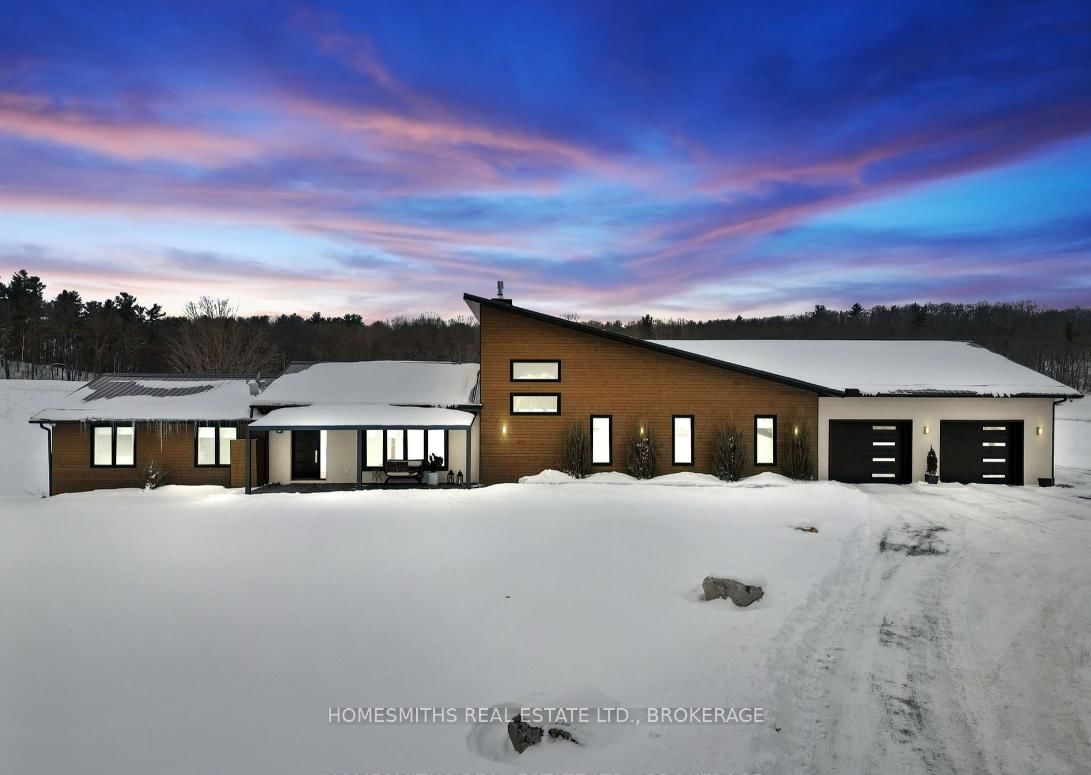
(772, 417)
(113, 426)
(513, 413)
(513, 361)
(405, 442)
(196, 441)
(609, 439)
(692, 454)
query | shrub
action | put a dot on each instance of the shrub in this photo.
(642, 452)
(577, 451)
(154, 475)
(799, 460)
(729, 452)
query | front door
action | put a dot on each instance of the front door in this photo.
(305, 452)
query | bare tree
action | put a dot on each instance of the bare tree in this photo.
(213, 340)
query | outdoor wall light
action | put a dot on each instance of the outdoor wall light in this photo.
(504, 429)
(641, 430)
(925, 430)
(1038, 430)
(796, 430)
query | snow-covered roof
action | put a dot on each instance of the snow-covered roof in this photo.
(159, 397)
(331, 416)
(416, 383)
(881, 367)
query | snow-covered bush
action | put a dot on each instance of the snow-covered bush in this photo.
(799, 460)
(577, 451)
(642, 452)
(154, 475)
(728, 452)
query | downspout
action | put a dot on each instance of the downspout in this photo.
(49, 432)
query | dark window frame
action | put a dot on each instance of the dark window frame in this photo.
(513, 361)
(609, 439)
(513, 413)
(772, 417)
(446, 447)
(113, 426)
(196, 440)
(692, 432)
(405, 441)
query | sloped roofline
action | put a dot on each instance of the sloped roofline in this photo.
(472, 300)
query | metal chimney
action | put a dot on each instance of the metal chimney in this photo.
(500, 293)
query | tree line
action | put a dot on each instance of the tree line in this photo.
(70, 338)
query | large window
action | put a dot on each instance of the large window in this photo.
(535, 371)
(600, 440)
(535, 403)
(214, 445)
(403, 444)
(113, 445)
(765, 440)
(683, 440)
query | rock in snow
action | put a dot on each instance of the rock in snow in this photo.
(738, 593)
(523, 735)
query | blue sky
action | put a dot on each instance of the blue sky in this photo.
(609, 160)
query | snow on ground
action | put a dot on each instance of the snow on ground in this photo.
(24, 449)
(1073, 431)
(922, 629)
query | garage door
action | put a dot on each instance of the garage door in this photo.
(983, 451)
(875, 451)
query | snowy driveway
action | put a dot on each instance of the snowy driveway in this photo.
(920, 630)
(960, 645)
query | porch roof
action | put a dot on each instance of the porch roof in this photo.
(353, 416)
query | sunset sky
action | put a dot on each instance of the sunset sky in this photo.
(609, 160)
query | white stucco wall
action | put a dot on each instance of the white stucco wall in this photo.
(1034, 412)
(280, 457)
(340, 457)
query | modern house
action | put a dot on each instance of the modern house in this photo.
(873, 408)
(315, 424)
(107, 432)
(343, 423)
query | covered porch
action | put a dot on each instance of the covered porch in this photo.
(359, 445)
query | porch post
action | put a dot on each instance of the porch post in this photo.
(246, 456)
(469, 452)
(359, 458)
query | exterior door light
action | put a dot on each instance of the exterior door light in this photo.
(926, 430)
(1038, 430)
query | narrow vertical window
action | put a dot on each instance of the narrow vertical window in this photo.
(765, 440)
(103, 441)
(437, 444)
(395, 445)
(414, 444)
(125, 445)
(373, 446)
(227, 435)
(206, 445)
(683, 440)
(600, 440)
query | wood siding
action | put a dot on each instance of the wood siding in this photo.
(632, 384)
(172, 444)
